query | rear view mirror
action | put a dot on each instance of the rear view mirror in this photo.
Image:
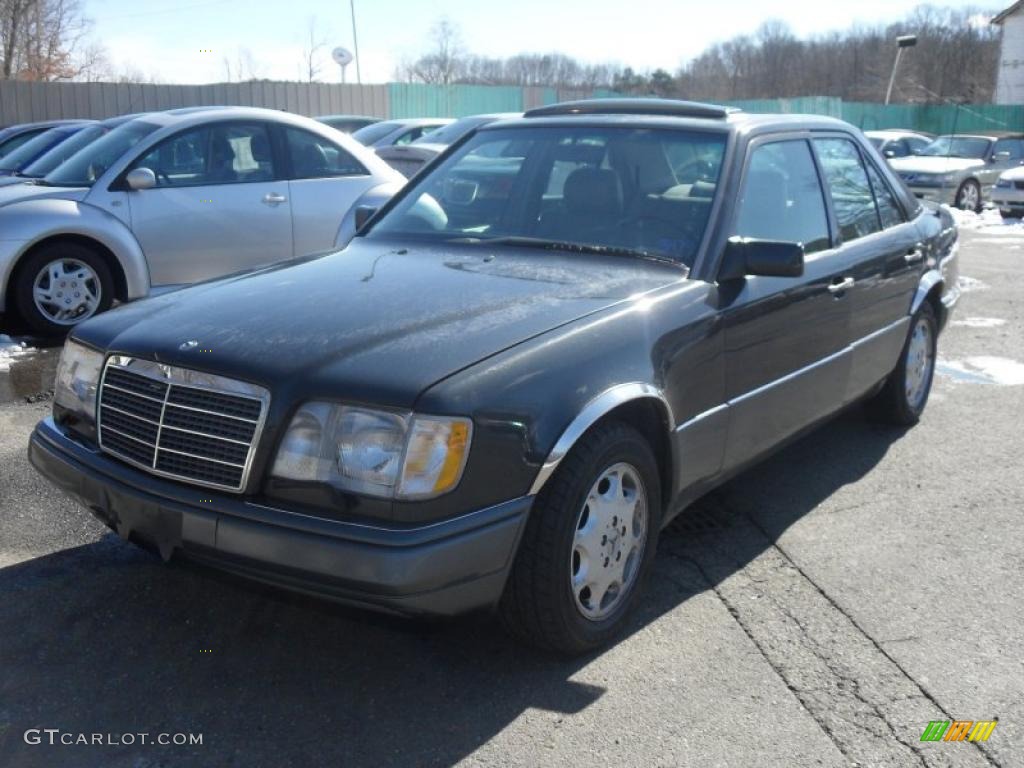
(140, 178)
(363, 214)
(766, 258)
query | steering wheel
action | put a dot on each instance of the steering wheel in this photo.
(694, 170)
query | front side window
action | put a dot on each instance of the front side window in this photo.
(782, 198)
(1011, 146)
(84, 167)
(646, 191)
(971, 147)
(314, 157)
(848, 184)
(228, 153)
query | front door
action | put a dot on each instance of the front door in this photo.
(786, 339)
(217, 207)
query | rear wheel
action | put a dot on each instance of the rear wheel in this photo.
(588, 545)
(905, 393)
(968, 196)
(60, 285)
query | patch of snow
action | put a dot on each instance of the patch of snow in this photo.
(988, 221)
(11, 349)
(968, 284)
(980, 322)
(983, 370)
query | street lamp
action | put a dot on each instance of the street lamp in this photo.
(903, 41)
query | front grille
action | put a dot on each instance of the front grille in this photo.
(179, 423)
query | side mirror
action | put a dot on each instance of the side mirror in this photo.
(140, 178)
(363, 214)
(1001, 157)
(890, 153)
(766, 258)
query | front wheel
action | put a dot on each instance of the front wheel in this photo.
(905, 393)
(60, 285)
(588, 545)
(968, 196)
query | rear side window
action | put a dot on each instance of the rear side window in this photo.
(314, 157)
(848, 183)
(888, 209)
(782, 198)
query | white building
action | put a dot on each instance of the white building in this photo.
(1010, 79)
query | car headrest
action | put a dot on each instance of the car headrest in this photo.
(593, 190)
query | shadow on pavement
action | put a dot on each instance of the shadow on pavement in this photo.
(103, 638)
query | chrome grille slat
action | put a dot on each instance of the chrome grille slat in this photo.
(179, 423)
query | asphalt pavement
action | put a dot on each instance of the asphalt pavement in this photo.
(818, 610)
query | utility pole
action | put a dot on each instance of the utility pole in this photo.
(355, 41)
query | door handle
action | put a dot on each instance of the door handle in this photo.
(272, 198)
(843, 285)
(914, 255)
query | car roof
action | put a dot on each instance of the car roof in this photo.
(988, 135)
(197, 115)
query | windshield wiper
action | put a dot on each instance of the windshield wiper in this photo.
(562, 245)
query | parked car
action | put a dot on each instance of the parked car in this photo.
(347, 123)
(18, 159)
(391, 133)
(49, 161)
(893, 142)
(500, 400)
(14, 136)
(960, 169)
(409, 159)
(1008, 194)
(174, 198)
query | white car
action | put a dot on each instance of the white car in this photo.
(1008, 194)
(892, 142)
(172, 198)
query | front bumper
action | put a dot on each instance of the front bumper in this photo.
(1008, 198)
(946, 194)
(446, 568)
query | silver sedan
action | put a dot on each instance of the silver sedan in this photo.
(173, 198)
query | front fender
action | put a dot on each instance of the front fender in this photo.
(26, 224)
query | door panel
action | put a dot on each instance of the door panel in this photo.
(786, 339)
(197, 233)
(216, 207)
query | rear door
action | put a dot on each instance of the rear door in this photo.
(324, 181)
(786, 338)
(883, 254)
(217, 207)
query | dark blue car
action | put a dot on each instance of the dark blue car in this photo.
(26, 154)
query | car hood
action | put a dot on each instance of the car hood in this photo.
(15, 193)
(1014, 174)
(376, 323)
(918, 164)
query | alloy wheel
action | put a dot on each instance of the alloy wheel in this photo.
(67, 291)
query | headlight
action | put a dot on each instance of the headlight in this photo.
(1004, 183)
(78, 374)
(378, 453)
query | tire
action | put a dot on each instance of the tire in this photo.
(1007, 214)
(85, 285)
(968, 196)
(895, 404)
(544, 602)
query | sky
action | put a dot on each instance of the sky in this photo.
(187, 41)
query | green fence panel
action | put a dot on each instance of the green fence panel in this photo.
(427, 100)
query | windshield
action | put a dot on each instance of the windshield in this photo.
(974, 147)
(452, 132)
(375, 132)
(645, 191)
(62, 151)
(31, 149)
(87, 165)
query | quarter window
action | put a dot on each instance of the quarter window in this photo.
(848, 183)
(782, 198)
(314, 157)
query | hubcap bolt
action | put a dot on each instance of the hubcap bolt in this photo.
(604, 540)
(618, 556)
(623, 530)
(606, 562)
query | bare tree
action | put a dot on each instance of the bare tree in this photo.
(41, 40)
(443, 62)
(315, 44)
(244, 67)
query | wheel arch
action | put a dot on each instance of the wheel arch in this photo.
(639, 404)
(930, 289)
(102, 250)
